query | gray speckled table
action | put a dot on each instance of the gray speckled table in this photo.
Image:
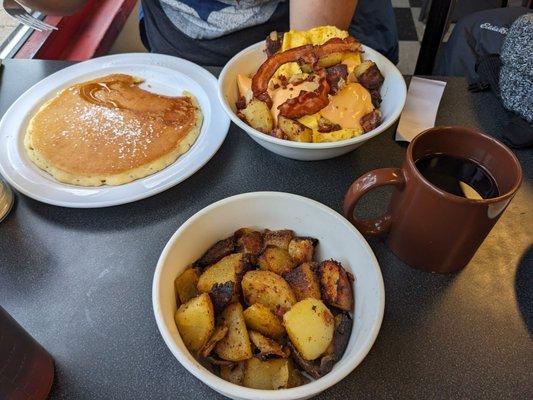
(80, 280)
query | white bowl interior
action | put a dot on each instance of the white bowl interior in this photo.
(393, 93)
(338, 240)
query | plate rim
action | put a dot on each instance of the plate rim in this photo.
(223, 121)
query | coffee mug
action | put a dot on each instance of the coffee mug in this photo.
(454, 184)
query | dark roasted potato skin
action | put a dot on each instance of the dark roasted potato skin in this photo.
(294, 130)
(370, 120)
(341, 337)
(325, 125)
(266, 347)
(303, 281)
(217, 252)
(275, 259)
(369, 75)
(273, 43)
(335, 75)
(302, 249)
(375, 95)
(280, 238)
(335, 285)
(249, 242)
(221, 295)
(308, 366)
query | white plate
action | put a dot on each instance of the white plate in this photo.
(162, 74)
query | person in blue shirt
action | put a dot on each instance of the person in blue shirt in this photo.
(210, 32)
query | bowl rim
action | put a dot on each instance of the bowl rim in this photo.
(301, 145)
(230, 389)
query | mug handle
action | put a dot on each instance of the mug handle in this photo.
(364, 184)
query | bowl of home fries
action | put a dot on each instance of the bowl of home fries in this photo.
(311, 95)
(268, 295)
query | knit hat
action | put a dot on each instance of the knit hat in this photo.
(516, 74)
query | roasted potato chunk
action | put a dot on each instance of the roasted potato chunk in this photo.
(303, 281)
(310, 326)
(341, 337)
(196, 322)
(249, 242)
(257, 115)
(294, 130)
(267, 348)
(335, 285)
(302, 249)
(222, 294)
(311, 367)
(259, 317)
(235, 346)
(269, 289)
(219, 334)
(185, 285)
(280, 238)
(233, 373)
(369, 75)
(270, 374)
(273, 43)
(330, 60)
(219, 250)
(275, 259)
(228, 269)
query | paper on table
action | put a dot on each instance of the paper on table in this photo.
(421, 107)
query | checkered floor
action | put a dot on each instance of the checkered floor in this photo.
(410, 32)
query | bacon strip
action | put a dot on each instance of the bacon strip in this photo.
(307, 102)
(306, 52)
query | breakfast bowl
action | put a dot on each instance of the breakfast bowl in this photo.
(273, 210)
(247, 62)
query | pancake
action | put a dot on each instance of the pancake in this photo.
(108, 131)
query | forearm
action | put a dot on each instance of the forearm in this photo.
(54, 7)
(306, 14)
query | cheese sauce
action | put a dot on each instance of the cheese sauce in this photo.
(348, 106)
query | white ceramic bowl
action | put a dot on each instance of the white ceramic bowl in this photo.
(273, 210)
(248, 61)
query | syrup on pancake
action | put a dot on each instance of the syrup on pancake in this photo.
(110, 126)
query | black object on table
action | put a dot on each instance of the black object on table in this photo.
(80, 280)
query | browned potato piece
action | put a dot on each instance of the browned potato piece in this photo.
(268, 348)
(341, 337)
(185, 285)
(310, 326)
(269, 289)
(275, 259)
(235, 346)
(222, 294)
(249, 242)
(220, 249)
(295, 376)
(335, 285)
(280, 238)
(270, 374)
(196, 322)
(233, 373)
(311, 367)
(294, 130)
(257, 115)
(229, 269)
(259, 317)
(369, 75)
(219, 334)
(303, 281)
(330, 60)
(302, 249)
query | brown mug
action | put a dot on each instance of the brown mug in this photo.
(430, 228)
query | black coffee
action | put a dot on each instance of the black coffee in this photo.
(458, 176)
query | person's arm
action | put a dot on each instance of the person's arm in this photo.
(54, 7)
(306, 14)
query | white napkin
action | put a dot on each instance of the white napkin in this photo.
(421, 106)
